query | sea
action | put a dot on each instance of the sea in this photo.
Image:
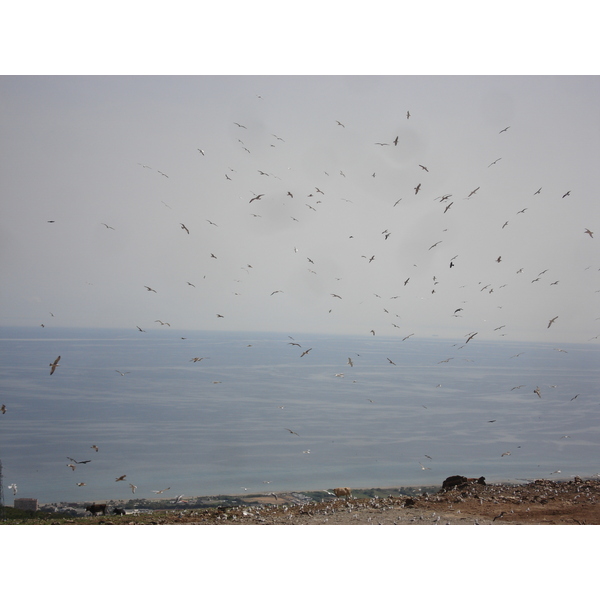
(264, 412)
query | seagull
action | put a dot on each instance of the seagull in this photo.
(257, 197)
(396, 141)
(506, 128)
(95, 447)
(150, 289)
(184, 227)
(160, 491)
(434, 245)
(424, 168)
(494, 162)
(505, 454)
(201, 151)
(292, 431)
(417, 189)
(242, 126)
(336, 296)
(341, 124)
(471, 337)
(537, 391)
(140, 329)
(80, 484)
(107, 226)
(122, 478)
(54, 365)
(350, 362)
(473, 192)
(408, 114)
(13, 487)
(381, 144)
(567, 194)
(122, 375)
(590, 233)
(133, 488)
(73, 467)
(198, 358)
(305, 352)
(551, 321)
(408, 336)
(425, 468)
(573, 398)
(538, 191)
(391, 362)
(3, 409)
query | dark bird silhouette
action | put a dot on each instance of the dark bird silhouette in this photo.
(505, 129)
(257, 197)
(340, 124)
(396, 141)
(408, 114)
(107, 226)
(551, 321)
(53, 366)
(305, 352)
(494, 162)
(122, 478)
(538, 191)
(150, 289)
(292, 432)
(185, 228)
(590, 233)
(424, 168)
(475, 190)
(567, 194)
(417, 189)
(242, 126)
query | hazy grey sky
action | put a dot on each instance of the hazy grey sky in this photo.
(87, 151)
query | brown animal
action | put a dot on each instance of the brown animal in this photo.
(96, 508)
(339, 492)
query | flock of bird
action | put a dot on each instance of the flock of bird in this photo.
(273, 194)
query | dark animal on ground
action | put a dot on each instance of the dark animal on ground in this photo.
(118, 511)
(96, 508)
(461, 481)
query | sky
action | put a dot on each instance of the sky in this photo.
(356, 179)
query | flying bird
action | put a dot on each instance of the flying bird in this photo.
(391, 362)
(150, 289)
(471, 337)
(424, 168)
(95, 447)
(184, 227)
(3, 409)
(551, 321)
(473, 192)
(408, 114)
(537, 391)
(341, 124)
(122, 478)
(160, 491)
(257, 197)
(13, 487)
(54, 365)
(417, 189)
(590, 233)
(505, 129)
(293, 432)
(242, 126)
(350, 362)
(122, 375)
(107, 226)
(494, 162)
(567, 194)
(305, 352)
(396, 141)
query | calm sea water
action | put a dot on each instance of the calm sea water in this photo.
(220, 425)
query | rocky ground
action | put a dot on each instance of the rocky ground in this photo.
(541, 502)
